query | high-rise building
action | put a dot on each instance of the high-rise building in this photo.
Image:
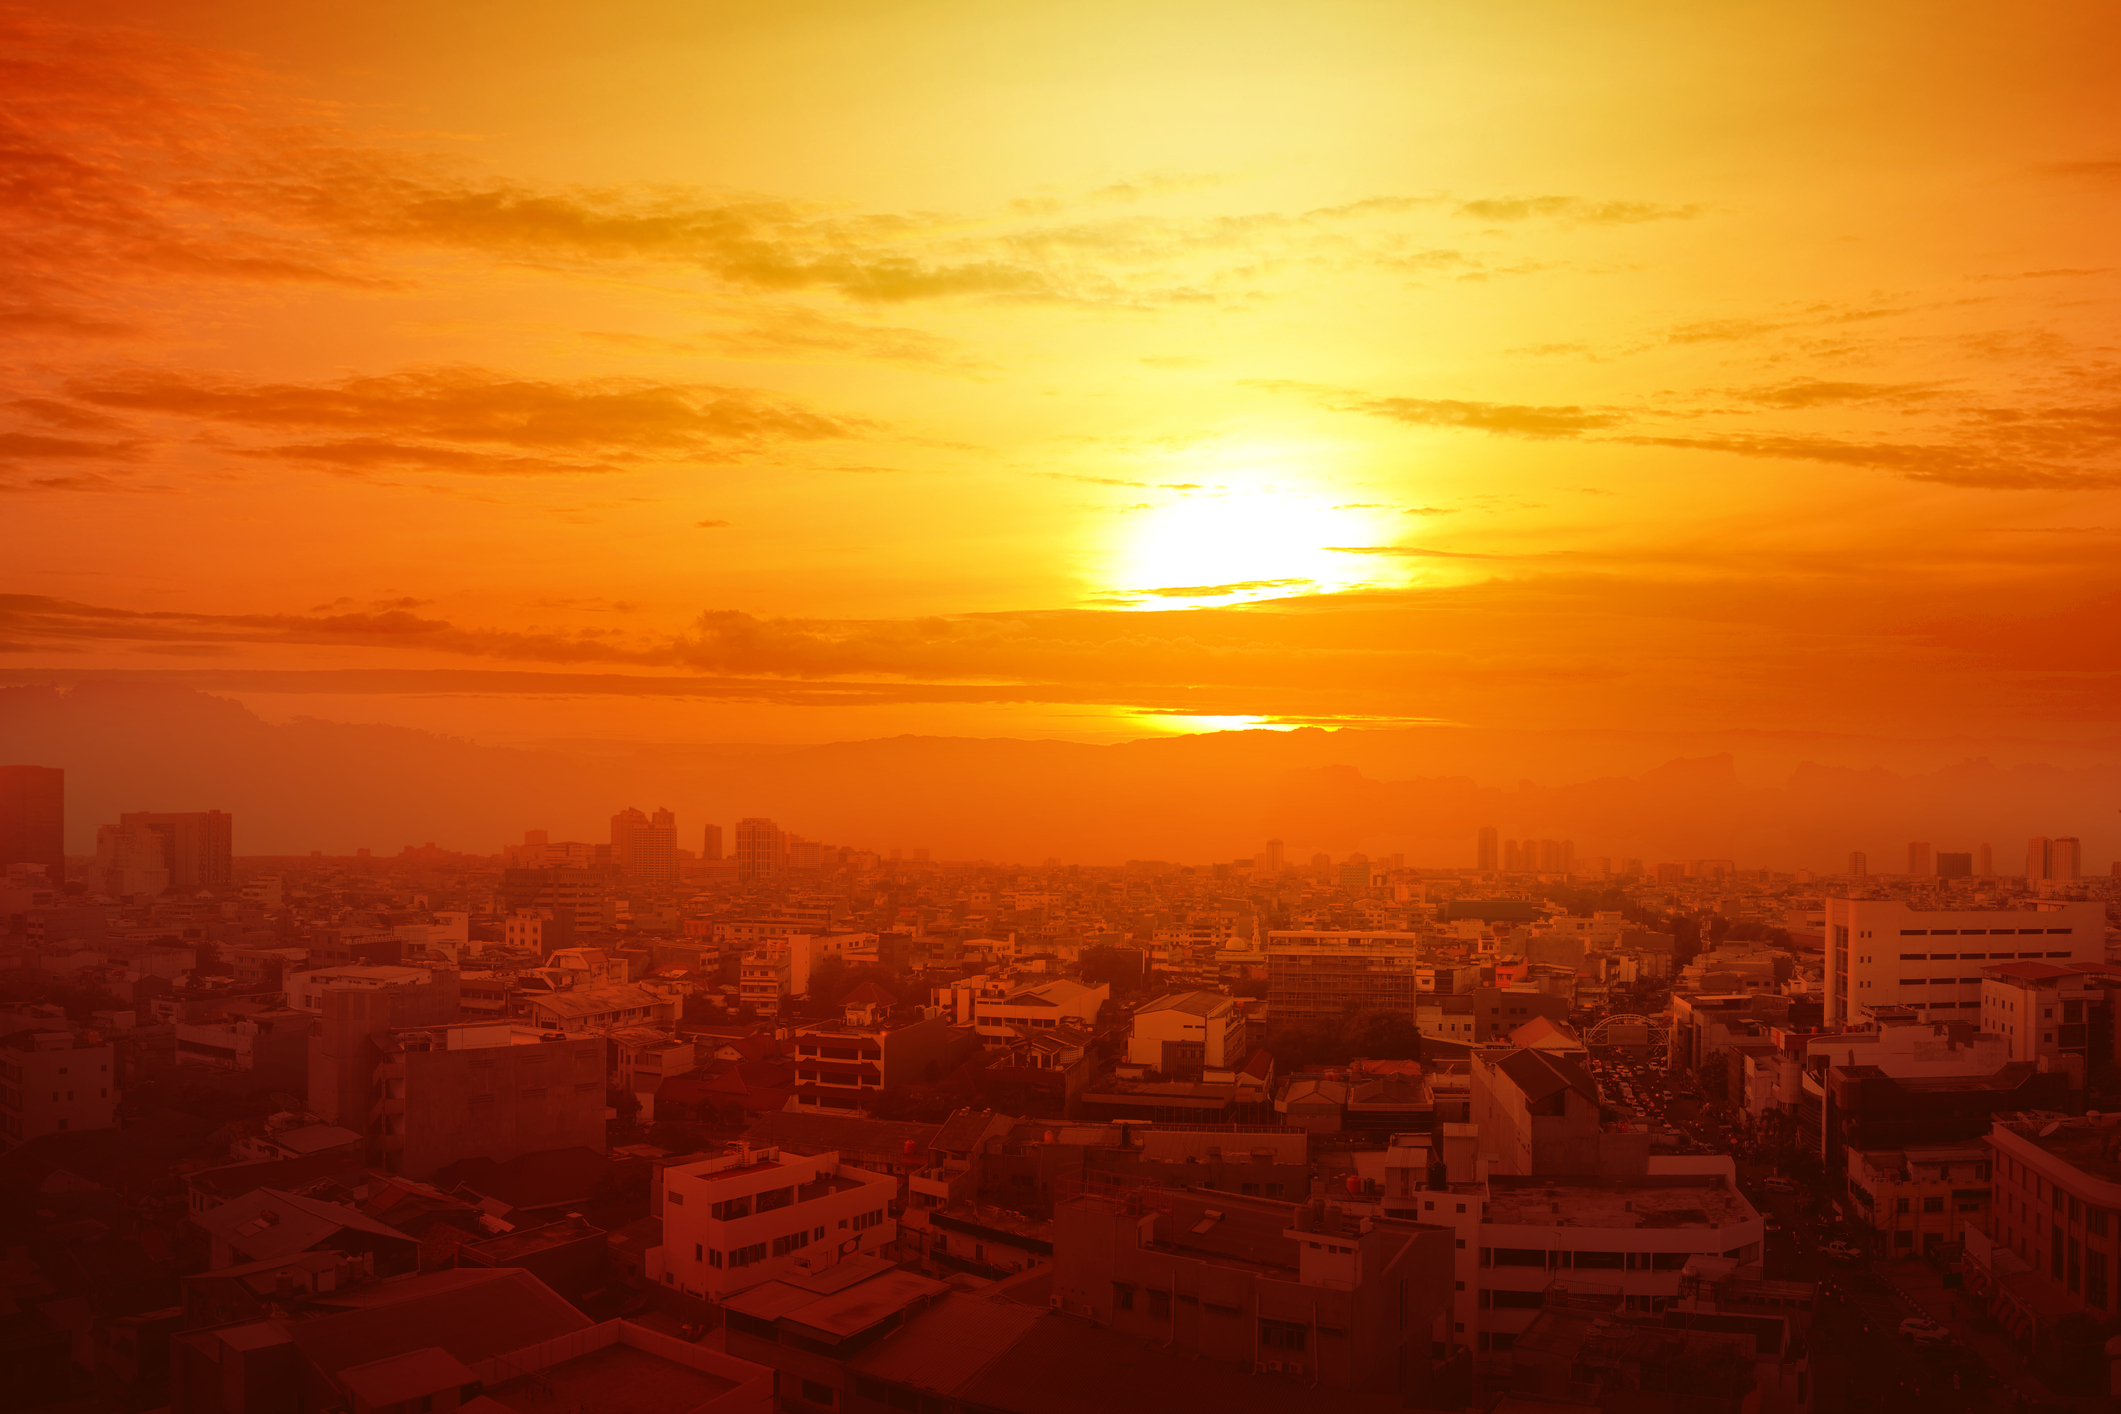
(1880, 952)
(1918, 859)
(148, 851)
(711, 844)
(1985, 864)
(1489, 850)
(1954, 866)
(645, 847)
(2036, 859)
(2065, 858)
(1355, 872)
(1272, 861)
(761, 849)
(33, 819)
(1859, 865)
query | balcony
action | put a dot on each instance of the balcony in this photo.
(938, 1186)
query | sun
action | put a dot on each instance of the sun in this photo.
(1233, 545)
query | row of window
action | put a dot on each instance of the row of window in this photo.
(1973, 932)
(1612, 1261)
(1972, 956)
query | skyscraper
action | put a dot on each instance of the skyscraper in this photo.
(1918, 859)
(646, 847)
(195, 846)
(711, 844)
(761, 847)
(1859, 865)
(33, 818)
(1985, 863)
(2065, 858)
(1273, 858)
(2036, 864)
(1489, 850)
(1954, 866)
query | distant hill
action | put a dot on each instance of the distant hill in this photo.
(1792, 800)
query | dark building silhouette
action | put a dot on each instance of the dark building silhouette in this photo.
(196, 845)
(33, 818)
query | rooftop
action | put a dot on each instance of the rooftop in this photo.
(617, 1379)
(2091, 1146)
(1664, 1202)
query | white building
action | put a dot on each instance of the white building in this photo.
(756, 1215)
(306, 989)
(1045, 1004)
(1880, 952)
(1188, 1031)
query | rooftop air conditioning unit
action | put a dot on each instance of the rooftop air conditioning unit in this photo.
(1295, 1367)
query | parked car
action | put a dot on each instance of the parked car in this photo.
(1841, 1251)
(1923, 1329)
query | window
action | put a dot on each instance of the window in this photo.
(1282, 1335)
(815, 1393)
(1900, 1205)
(1159, 1304)
(1122, 1296)
(1933, 1205)
(675, 1197)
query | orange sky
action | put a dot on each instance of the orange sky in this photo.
(796, 372)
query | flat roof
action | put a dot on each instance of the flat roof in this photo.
(1655, 1203)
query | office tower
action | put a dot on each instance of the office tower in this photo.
(130, 861)
(33, 819)
(1918, 859)
(1859, 865)
(1355, 872)
(646, 847)
(2036, 858)
(711, 845)
(761, 848)
(1881, 953)
(1954, 866)
(1273, 863)
(1985, 865)
(1489, 850)
(1513, 853)
(194, 845)
(2065, 858)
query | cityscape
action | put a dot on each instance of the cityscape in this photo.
(714, 1116)
(1111, 707)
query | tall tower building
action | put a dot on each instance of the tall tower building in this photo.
(1273, 857)
(195, 846)
(711, 844)
(645, 847)
(1918, 859)
(1489, 850)
(2036, 860)
(33, 819)
(761, 849)
(1859, 865)
(2065, 858)
(1985, 862)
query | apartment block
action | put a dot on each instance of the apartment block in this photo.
(875, 1045)
(1880, 952)
(754, 1215)
(53, 1081)
(2055, 1228)
(1916, 1200)
(483, 1090)
(1317, 976)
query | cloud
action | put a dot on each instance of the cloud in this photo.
(1217, 591)
(461, 420)
(1574, 208)
(1951, 465)
(1814, 392)
(1411, 552)
(1508, 419)
(709, 524)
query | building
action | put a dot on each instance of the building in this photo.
(53, 1081)
(875, 1046)
(1859, 865)
(33, 819)
(761, 849)
(1488, 850)
(194, 847)
(1186, 1032)
(1882, 953)
(1955, 865)
(1322, 976)
(306, 989)
(130, 862)
(2056, 1014)
(1917, 1200)
(645, 847)
(755, 1215)
(1918, 859)
(711, 845)
(488, 1090)
(597, 1008)
(1497, 1011)
(1039, 1006)
(2055, 1227)
(581, 894)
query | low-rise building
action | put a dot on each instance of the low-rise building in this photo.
(2055, 1224)
(1916, 1200)
(1039, 1005)
(1183, 1033)
(757, 1214)
(54, 1080)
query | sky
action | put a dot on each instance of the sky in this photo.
(802, 372)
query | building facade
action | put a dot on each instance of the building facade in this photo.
(754, 1215)
(1880, 952)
